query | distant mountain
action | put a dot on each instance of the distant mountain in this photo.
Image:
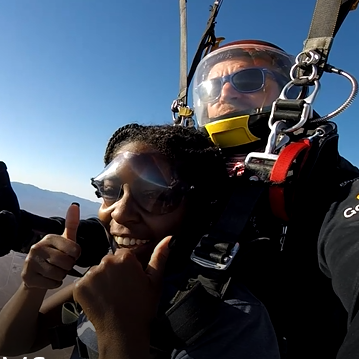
(48, 204)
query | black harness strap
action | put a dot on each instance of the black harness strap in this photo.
(194, 311)
(208, 39)
(215, 250)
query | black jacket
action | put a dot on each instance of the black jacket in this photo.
(296, 287)
(338, 250)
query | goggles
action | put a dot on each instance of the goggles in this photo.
(153, 185)
(244, 81)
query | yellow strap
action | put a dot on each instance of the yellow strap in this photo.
(218, 41)
(214, 46)
(355, 5)
(185, 112)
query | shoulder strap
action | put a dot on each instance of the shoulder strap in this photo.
(208, 39)
(193, 312)
(327, 19)
(217, 249)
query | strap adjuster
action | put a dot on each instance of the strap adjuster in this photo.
(263, 158)
(211, 264)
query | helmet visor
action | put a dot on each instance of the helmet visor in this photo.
(256, 74)
(153, 184)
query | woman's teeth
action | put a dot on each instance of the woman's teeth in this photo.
(127, 241)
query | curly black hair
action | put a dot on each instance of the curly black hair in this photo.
(198, 162)
(197, 159)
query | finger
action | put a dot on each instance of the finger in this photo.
(53, 256)
(157, 263)
(39, 265)
(61, 260)
(72, 221)
(58, 242)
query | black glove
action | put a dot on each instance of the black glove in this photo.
(8, 231)
(9, 212)
(8, 198)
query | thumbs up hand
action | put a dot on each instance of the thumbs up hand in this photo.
(119, 294)
(50, 259)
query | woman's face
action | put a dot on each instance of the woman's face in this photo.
(132, 217)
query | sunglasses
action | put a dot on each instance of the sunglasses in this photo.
(244, 81)
(147, 184)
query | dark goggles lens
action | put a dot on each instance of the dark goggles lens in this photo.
(152, 189)
(244, 81)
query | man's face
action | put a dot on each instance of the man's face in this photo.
(231, 100)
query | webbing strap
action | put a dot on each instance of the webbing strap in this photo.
(216, 247)
(194, 312)
(187, 320)
(279, 174)
(327, 18)
(207, 39)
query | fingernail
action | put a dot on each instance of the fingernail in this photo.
(76, 204)
(172, 242)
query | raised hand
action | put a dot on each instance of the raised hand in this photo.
(119, 295)
(50, 260)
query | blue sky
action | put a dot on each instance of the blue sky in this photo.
(73, 71)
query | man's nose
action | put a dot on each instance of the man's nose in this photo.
(228, 91)
(125, 209)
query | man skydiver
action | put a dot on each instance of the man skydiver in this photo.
(233, 92)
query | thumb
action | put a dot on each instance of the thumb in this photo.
(157, 263)
(72, 221)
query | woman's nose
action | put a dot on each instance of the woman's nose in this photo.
(125, 209)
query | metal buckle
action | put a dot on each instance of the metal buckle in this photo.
(262, 156)
(212, 264)
(268, 155)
